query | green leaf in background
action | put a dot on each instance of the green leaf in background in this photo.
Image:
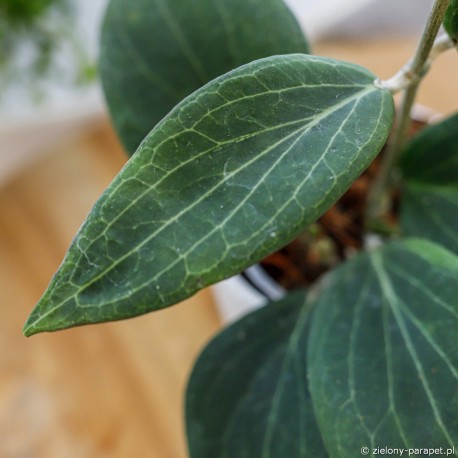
(234, 172)
(451, 20)
(429, 205)
(23, 11)
(27, 24)
(248, 394)
(383, 351)
(156, 52)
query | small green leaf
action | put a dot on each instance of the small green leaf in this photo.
(234, 172)
(451, 20)
(429, 205)
(248, 395)
(383, 351)
(154, 53)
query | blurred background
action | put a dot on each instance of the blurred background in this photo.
(116, 390)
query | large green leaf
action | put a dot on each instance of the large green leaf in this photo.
(383, 351)
(429, 206)
(156, 52)
(248, 394)
(233, 173)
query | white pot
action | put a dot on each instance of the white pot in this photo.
(244, 293)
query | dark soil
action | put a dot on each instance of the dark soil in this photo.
(338, 234)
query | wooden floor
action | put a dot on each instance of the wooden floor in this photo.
(111, 390)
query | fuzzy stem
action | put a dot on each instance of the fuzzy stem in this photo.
(405, 76)
(416, 69)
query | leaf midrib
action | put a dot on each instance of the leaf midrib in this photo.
(140, 63)
(393, 301)
(321, 116)
(184, 255)
(318, 118)
(209, 150)
(181, 40)
(280, 209)
(289, 357)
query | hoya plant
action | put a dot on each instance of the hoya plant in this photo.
(239, 140)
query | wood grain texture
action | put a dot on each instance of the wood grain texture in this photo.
(113, 390)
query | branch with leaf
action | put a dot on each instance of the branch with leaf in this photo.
(240, 139)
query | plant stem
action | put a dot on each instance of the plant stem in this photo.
(405, 76)
(377, 202)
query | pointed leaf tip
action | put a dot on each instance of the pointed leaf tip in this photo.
(28, 331)
(234, 172)
(35, 325)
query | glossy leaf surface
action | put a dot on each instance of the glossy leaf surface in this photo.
(248, 395)
(429, 206)
(383, 351)
(233, 173)
(154, 53)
